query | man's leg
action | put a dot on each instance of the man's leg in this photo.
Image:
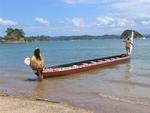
(127, 51)
(40, 76)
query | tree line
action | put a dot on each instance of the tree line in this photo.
(19, 35)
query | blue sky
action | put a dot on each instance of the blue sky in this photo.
(75, 17)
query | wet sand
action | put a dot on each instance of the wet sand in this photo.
(11, 104)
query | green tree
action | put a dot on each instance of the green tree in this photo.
(127, 34)
(14, 34)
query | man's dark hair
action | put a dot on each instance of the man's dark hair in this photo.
(37, 53)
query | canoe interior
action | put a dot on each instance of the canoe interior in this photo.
(88, 61)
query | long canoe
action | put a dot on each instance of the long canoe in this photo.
(76, 67)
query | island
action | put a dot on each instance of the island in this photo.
(127, 34)
(13, 36)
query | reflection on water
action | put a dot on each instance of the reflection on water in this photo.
(39, 89)
(129, 70)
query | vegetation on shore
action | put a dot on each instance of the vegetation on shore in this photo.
(18, 36)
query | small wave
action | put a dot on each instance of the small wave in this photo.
(130, 83)
(115, 98)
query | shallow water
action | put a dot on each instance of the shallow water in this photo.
(128, 82)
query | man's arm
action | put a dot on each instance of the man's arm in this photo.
(131, 43)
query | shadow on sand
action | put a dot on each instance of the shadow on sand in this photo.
(31, 79)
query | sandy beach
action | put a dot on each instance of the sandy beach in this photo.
(15, 104)
(11, 104)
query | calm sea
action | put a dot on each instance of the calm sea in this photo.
(128, 82)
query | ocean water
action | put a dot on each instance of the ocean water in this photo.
(127, 82)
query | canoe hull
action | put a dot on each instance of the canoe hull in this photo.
(97, 65)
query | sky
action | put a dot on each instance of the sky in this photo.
(74, 17)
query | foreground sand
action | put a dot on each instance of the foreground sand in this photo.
(18, 105)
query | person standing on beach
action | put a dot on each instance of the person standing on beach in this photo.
(128, 44)
(37, 63)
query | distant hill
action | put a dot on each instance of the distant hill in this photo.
(147, 36)
(37, 38)
(127, 34)
(84, 37)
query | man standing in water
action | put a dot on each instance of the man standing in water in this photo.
(37, 63)
(128, 45)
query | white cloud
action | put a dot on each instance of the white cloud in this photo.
(109, 22)
(122, 22)
(76, 30)
(133, 7)
(7, 22)
(74, 2)
(42, 21)
(78, 22)
(145, 20)
(104, 20)
(131, 3)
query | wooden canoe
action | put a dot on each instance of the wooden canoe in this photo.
(76, 67)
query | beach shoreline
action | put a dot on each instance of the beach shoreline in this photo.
(15, 104)
(22, 104)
